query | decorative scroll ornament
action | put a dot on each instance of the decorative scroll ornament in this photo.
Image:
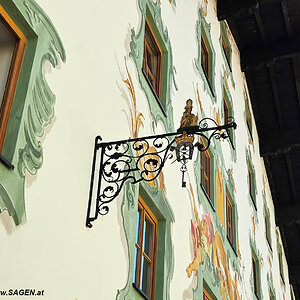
(142, 159)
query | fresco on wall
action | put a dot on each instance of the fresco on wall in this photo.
(207, 240)
(135, 120)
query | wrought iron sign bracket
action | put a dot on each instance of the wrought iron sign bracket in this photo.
(142, 159)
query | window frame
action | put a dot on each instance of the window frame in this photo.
(226, 110)
(230, 221)
(228, 113)
(203, 32)
(227, 101)
(255, 276)
(206, 295)
(225, 46)
(251, 186)
(268, 228)
(248, 117)
(161, 110)
(206, 174)
(32, 106)
(145, 212)
(13, 75)
(157, 89)
(205, 65)
(281, 264)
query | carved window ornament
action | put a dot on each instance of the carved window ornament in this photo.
(134, 160)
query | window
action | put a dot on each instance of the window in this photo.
(145, 250)
(255, 273)
(12, 45)
(268, 228)
(226, 111)
(151, 51)
(206, 295)
(205, 61)
(226, 48)
(205, 173)
(248, 117)
(249, 122)
(227, 114)
(26, 101)
(251, 186)
(152, 60)
(255, 276)
(204, 58)
(280, 264)
(229, 221)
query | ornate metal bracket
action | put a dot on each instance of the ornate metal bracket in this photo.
(143, 158)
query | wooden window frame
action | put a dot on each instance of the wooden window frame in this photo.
(226, 111)
(148, 74)
(206, 174)
(205, 53)
(248, 122)
(226, 119)
(145, 212)
(255, 277)
(13, 74)
(280, 264)
(251, 186)
(248, 118)
(230, 221)
(206, 295)
(267, 227)
(226, 50)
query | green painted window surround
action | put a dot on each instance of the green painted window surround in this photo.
(225, 40)
(248, 117)
(212, 167)
(228, 99)
(203, 32)
(160, 109)
(268, 227)
(255, 271)
(280, 263)
(229, 194)
(158, 204)
(33, 104)
(252, 189)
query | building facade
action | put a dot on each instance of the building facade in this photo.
(125, 70)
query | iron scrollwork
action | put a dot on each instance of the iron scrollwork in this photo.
(142, 159)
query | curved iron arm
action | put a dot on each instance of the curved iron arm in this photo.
(139, 159)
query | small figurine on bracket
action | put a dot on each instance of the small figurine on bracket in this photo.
(188, 119)
(184, 149)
